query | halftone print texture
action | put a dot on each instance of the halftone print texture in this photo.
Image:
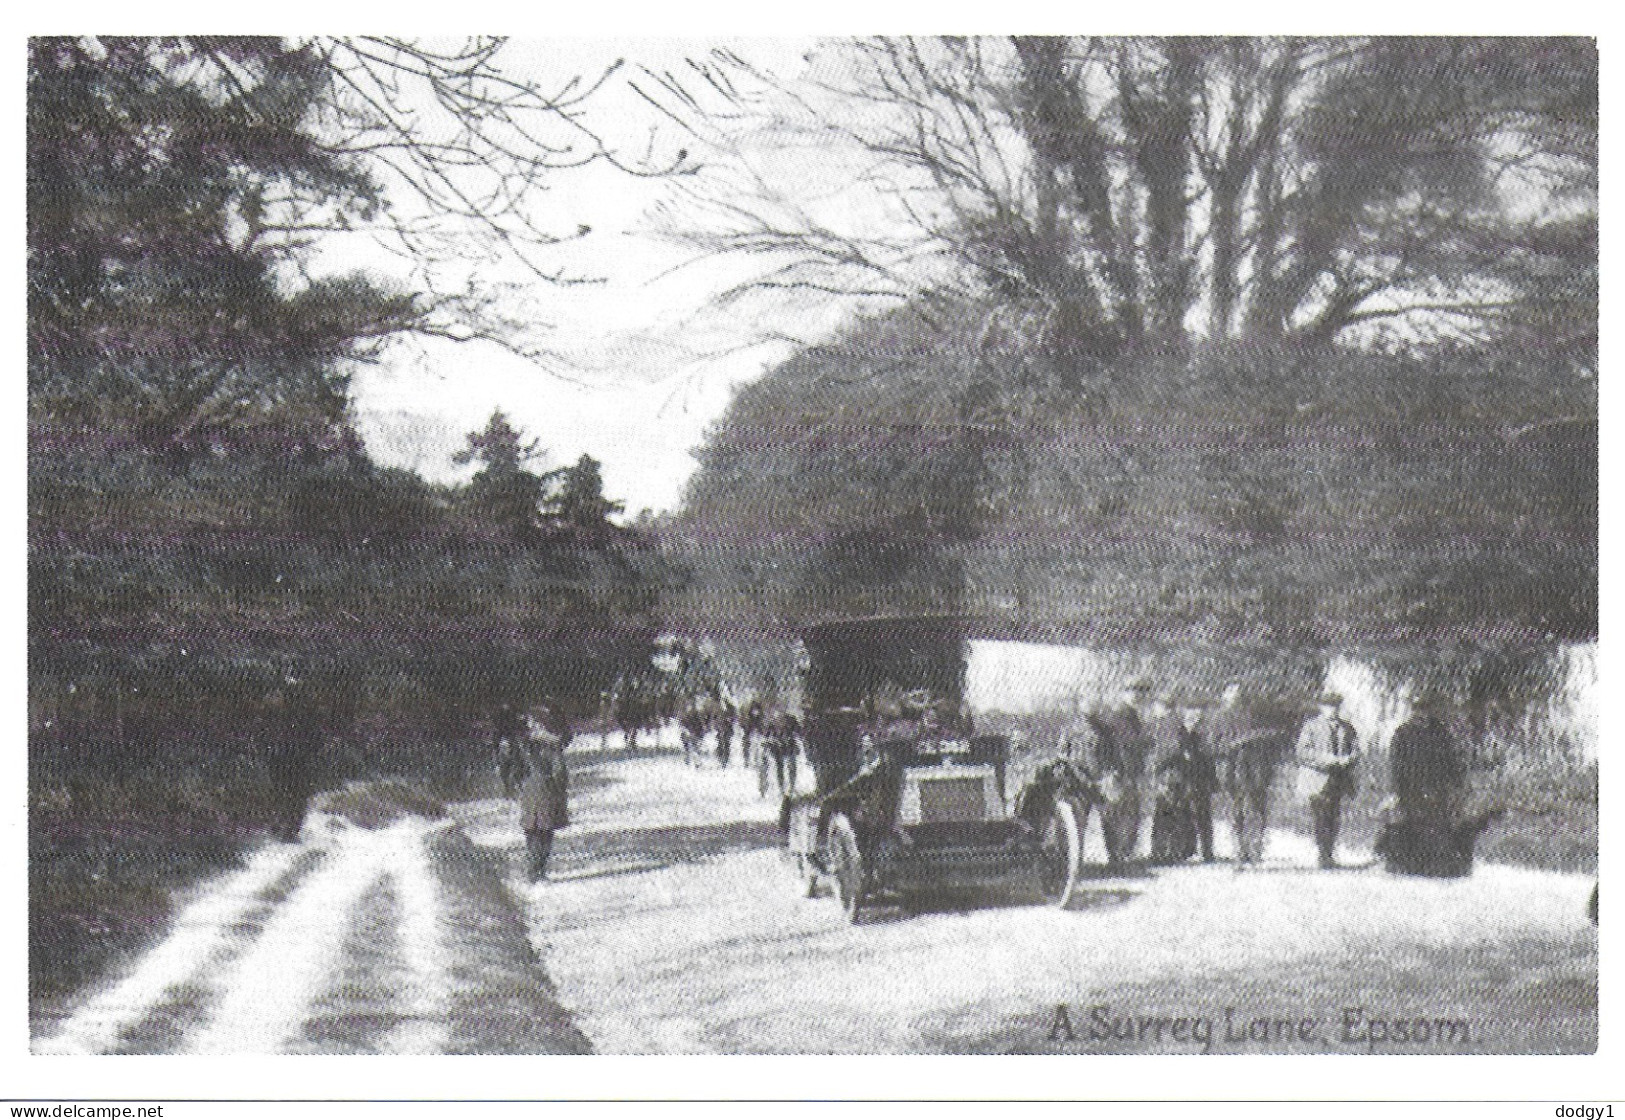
(1002, 545)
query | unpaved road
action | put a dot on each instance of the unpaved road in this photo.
(396, 940)
(671, 925)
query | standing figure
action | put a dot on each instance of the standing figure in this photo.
(1116, 756)
(1428, 773)
(508, 743)
(782, 747)
(750, 747)
(693, 725)
(544, 798)
(632, 706)
(1248, 754)
(725, 717)
(1182, 824)
(1327, 751)
(1427, 833)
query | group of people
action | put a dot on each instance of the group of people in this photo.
(721, 719)
(768, 741)
(1180, 751)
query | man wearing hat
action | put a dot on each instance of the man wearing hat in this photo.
(1327, 752)
(1182, 824)
(544, 791)
(1427, 770)
(1114, 746)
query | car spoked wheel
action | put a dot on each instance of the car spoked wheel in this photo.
(846, 866)
(1060, 853)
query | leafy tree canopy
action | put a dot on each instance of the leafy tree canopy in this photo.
(1247, 495)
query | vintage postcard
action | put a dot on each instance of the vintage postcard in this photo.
(1061, 545)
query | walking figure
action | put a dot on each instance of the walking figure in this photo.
(693, 725)
(508, 734)
(725, 718)
(544, 797)
(1248, 754)
(1427, 831)
(751, 746)
(782, 748)
(1112, 746)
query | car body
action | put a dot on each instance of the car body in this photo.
(909, 801)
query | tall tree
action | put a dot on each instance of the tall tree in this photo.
(150, 290)
(1102, 196)
(578, 505)
(219, 580)
(504, 491)
(178, 187)
(1240, 499)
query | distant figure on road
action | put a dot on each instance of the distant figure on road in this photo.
(751, 730)
(544, 794)
(633, 707)
(1327, 752)
(724, 723)
(1182, 824)
(508, 737)
(1114, 747)
(783, 745)
(693, 723)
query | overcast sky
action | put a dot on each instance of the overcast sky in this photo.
(647, 362)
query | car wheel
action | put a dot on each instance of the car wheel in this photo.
(1060, 853)
(846, 866)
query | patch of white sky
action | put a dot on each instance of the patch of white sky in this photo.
(644, 356)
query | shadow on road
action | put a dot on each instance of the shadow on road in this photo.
(604, 872)
(652, 849)
(1101, 899)
(992, 898)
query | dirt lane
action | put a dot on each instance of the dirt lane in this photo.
(399, 940)
(673, 926)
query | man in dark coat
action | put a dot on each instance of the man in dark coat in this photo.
(1113, 746)
(1427, 833)
(726, 716)
(508, 738)
(783, 746)
(1427, 771)
(693, 722)
(1248, 753)
(1182, 824)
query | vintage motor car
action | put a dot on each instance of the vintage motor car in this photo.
(909, 802)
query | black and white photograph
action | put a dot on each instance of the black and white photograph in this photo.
(1071, 545)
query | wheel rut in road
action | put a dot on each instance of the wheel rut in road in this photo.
(399, 939)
